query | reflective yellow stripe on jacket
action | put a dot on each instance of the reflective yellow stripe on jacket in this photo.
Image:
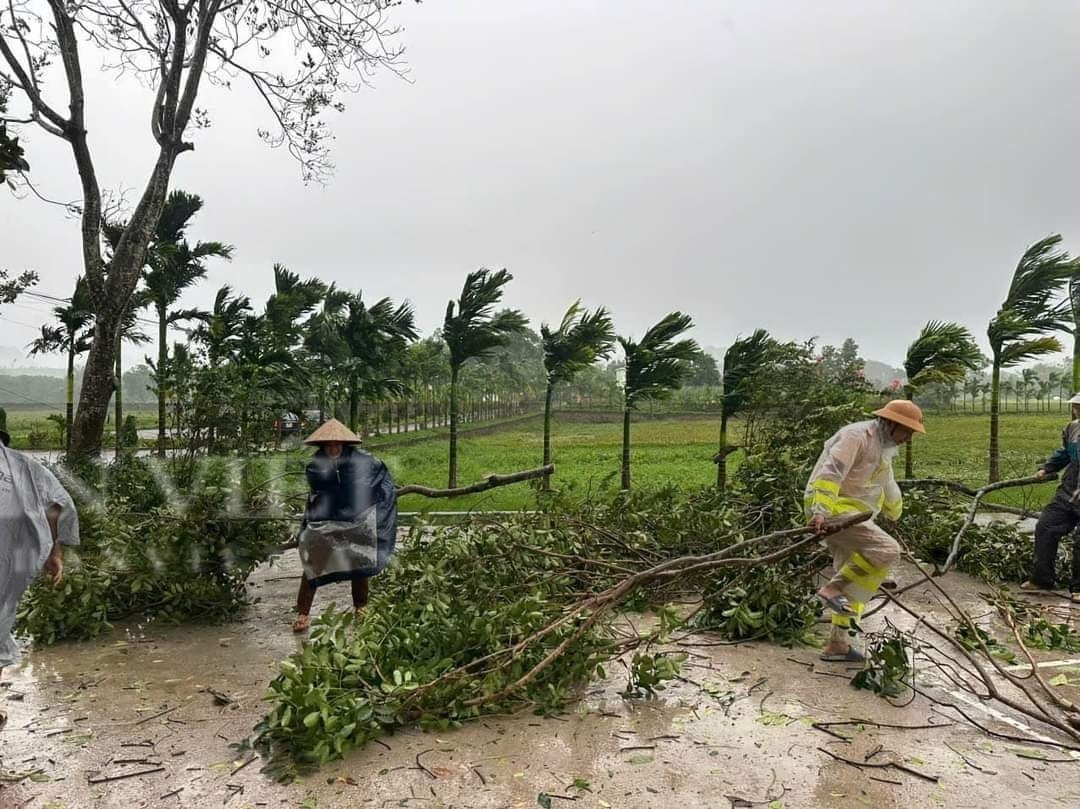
(826, 495)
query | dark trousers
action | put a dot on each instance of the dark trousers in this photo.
(1058, 518)
(307, 594)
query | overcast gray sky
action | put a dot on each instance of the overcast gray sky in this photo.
(813, 168)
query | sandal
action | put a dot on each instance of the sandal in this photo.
(1032, 587)
(838, 604)
(850, 656)
(301, 624)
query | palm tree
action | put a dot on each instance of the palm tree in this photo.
(972, 383)
(472, 329)
(130, 332)
(172, 266)
(223, 327)
(374, 339)
(363, 345)
(1074, 307)
(427, 371)
(743, 360)
(293, 298)
(1042, 393)
(582, 338)
(655, 366)
(1064, 387)
(1020, 330)
(1031, 384)
(323, 340)
(72, 335)
(941, 354)
(1052, 383)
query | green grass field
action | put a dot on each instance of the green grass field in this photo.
(676, 451)
(679, 452)
(20, 422)
(586, 457)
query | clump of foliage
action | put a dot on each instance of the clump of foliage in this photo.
(972, 638)
(774, 602)
(431, 615)
(1041, 633)
(793, 407)
(37, 438)
(129, 433)
(887, 671)
(649, 671)
(1035, 624)
(996, 551)
(434, 646)
(143, 556)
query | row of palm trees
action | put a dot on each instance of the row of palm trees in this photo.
(1020, 390)
(314, 338)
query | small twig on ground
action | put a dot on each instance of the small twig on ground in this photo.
(135, 774)
(241, 766)
(881, 766)
(155, 716)
(821, 726)
(420, 765)
(967, 760)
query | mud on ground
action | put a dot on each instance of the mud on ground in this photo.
(737, 732)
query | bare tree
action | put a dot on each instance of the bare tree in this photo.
(301, 56)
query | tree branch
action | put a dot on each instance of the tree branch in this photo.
(490, 482)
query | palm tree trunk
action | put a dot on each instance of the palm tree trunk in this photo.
(452, 479)
(909, 393)
(547, 430)
(721, 457)
(118, 413)
(354, 405)
(995, 395)
(163, 359)
(626, 448)
(1076, 355)
(69, 414)
(1076, 339)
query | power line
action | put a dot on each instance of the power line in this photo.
(27, 398)
(18, 322)
(54, 299)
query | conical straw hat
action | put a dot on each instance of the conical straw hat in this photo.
(333, 430)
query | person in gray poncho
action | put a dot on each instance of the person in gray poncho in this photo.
(37, 516)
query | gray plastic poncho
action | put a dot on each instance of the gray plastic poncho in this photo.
(27, 491)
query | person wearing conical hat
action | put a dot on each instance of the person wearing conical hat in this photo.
(855, 474)
(346, 483)
(1062, 514)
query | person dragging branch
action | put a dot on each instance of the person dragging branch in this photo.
(855, 474)
(1062, 514)
(37, 516)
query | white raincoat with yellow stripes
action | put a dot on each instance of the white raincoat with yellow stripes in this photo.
(855, 473)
